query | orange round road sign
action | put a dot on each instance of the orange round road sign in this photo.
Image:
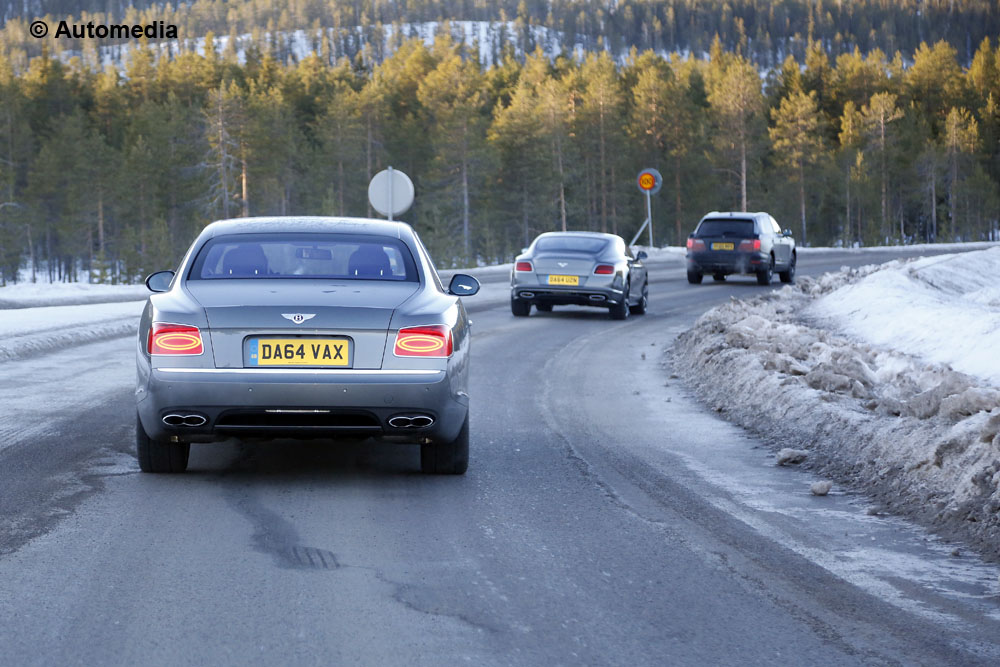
(649, 181)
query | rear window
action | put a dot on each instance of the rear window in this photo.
(337, 256)
(570, 244)
(726, 227)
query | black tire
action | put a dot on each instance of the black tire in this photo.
(447, 458)
(520, 308)
(620, 311)
(640, 308)
(719, 277)
(764, 276)
(694, 277)
(157, 456)
(789, 275)
(543, 307)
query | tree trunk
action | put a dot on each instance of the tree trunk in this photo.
(743, 174)
(677, 200)
(933, 238)
(802, 200)
(847, 223)
(243, 183)
(465, 192)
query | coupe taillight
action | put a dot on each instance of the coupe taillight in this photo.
(427, 341)
(695, 244)
(523, 266)
(750, 245)
(176, 339)
(604, 270)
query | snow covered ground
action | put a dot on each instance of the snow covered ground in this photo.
(887, 376)
(29, 295)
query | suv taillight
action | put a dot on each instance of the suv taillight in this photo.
(523, 266)
(427, 341)
(750, 245)
(176, 339)
(695, 244)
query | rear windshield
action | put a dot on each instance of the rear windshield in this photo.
(339, 256)
(570, 244)
(726, 227)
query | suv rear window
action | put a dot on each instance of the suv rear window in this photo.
(570, 244)
(725, 227)
(338, 256)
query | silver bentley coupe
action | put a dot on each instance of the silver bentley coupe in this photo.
(304, 327)
(581, 268)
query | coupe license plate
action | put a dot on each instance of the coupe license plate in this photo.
(564, 280)
(300, 352)
(723, 246)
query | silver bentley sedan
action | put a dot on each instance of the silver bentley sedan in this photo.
(581, 268)
(304, 327)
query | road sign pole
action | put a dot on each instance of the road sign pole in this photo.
(649, 217)
(392, 186)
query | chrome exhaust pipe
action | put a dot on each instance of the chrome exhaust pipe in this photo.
(527, 295)
(411, 421)
(175, 419)
(597, 297)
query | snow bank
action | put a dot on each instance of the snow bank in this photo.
(944, 309)
(30, 295)
(26, 332)
(821, 367)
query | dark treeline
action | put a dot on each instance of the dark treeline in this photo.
(766, 31)
(109, 174)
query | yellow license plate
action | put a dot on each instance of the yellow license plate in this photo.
(300, 352)
(564, 280)
(723, 246)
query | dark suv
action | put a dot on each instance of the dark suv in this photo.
(725, 243)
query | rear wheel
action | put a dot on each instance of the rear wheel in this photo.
(694, 277)
(640, 308)
(159, 456)
(764, 276)
(619, 311)
(719, 277)
(447, 458)
(520, 308)
(789, 275)
(543, 307)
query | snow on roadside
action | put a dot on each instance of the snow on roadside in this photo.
(32, 295)
(27, 332)
(846, 367)
(944, 309)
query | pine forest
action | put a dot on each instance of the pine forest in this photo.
(853, 123)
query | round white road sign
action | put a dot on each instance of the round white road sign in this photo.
(390, 192)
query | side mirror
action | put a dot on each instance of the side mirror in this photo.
(641, 255)
(159, 281)
(463, 285)
(787, 232)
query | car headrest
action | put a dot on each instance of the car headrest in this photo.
(245, 261)
(369, 261)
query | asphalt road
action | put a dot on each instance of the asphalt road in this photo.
(606, 519)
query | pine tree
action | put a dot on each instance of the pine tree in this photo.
(797, 138)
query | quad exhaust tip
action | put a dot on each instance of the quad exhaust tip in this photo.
(527, 295)
(177, 419)
(411, 421)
